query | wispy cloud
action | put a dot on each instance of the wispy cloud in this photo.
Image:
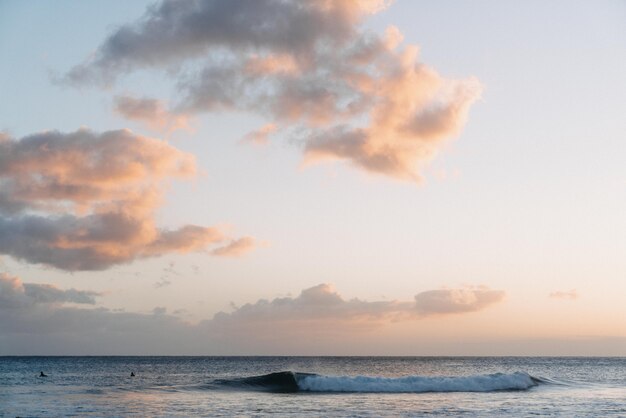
(356, 95)
(566, 295)
(86, 201)
(236, 247)
(163, 282)
(453, 301)
(261, 135)
(151, 112)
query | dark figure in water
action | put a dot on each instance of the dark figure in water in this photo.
(42, 374)
(132, 374)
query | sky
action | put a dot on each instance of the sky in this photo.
(355, 177)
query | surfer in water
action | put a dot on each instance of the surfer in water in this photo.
(132, 374)
(42, 374)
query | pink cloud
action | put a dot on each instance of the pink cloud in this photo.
(350, 94)
(319, 319)
(150, 112)
(236, 247)
(455, 301)
(261, 135)
(86, 201)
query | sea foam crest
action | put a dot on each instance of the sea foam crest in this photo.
(416, 384)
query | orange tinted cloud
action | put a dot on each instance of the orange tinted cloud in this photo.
(320, 315)
(413, 112)
(86, 201)
(318, 303)
(271, 64)
(85, 172)
(236, 247)
(261, 135)
(357, 96)
(38, 319)
(323, 303)
(454, 301)
(150, 112)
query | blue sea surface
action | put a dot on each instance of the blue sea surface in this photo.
(312, 386)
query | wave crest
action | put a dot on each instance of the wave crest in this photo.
(306, 382)
(417, 384)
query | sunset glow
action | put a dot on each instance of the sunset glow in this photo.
(312, 178)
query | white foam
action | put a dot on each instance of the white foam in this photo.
(416, 384)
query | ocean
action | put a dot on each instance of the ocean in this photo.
(312, 386)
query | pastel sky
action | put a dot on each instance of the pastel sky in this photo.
(350, 177)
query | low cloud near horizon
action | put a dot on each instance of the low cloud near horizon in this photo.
(35, 318)
(353, 95)
(322, 302)
(449, 301)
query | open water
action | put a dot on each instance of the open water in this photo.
(312, 386)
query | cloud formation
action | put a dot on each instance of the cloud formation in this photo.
(236, 247)
(15, 293)
(86, 201)
(320, 309)
(565, 295)
(45, 293)
(353, 95)
(172, 31)
(32, 324)
(452, 301)
(261, 135)
(151, 112)
(318, 303)
(31, 314)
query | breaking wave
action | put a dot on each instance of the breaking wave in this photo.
(285, 382)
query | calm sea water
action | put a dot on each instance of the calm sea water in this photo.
(312, 386)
